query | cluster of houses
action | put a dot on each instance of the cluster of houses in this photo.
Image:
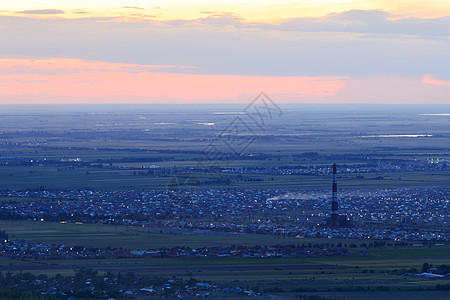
(260, 252)
(88, 284)
(21, 249)
(307, 232)
(386, 166)
(403, 214)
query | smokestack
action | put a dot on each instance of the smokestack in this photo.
(334, 201)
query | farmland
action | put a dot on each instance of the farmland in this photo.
(382, 268)
(139, 178)
(84, 147)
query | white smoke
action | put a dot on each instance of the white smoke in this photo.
(292, 196)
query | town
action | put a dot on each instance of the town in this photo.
(419, 214)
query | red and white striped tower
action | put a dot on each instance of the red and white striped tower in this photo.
(334, 201)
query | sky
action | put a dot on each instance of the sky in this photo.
(197, 51)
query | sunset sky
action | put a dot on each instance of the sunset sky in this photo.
(200, 51)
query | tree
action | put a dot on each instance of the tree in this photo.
(426, 267)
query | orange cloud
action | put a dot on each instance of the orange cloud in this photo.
(77, 78)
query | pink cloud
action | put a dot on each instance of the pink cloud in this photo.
(431, 79)
(72, 65)
(80, 79)
(390, 90)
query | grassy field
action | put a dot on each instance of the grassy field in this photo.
(354, 270)
(381, 267)
(35, 177)
(345, 135)
(172, 137)
(289, 274)
(374, 295)
(98, 235)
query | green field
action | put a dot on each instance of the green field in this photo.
(382, 267)
(98, 235)
(35, 177)
(114, 143)
(148, 135)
